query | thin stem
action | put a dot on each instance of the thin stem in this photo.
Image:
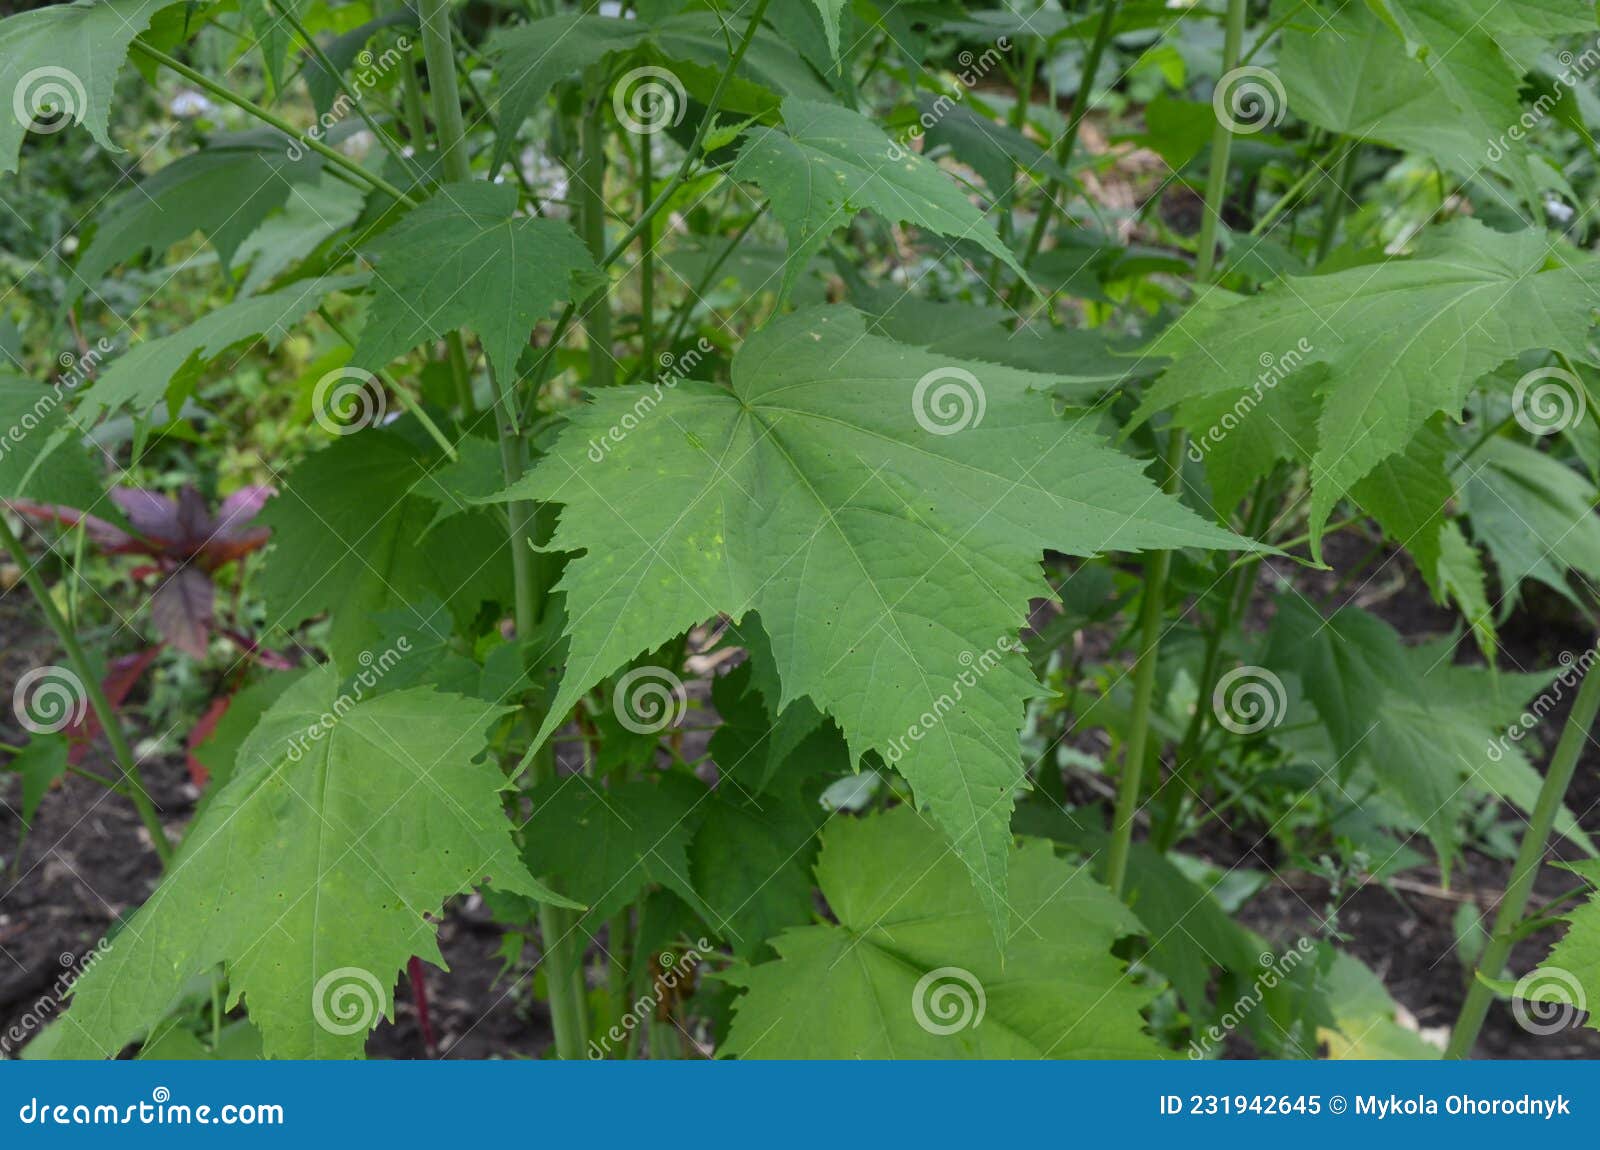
(662, 197)
(647, 262)
(1242, 584)
(1338, 198)
(679, 320)
(216, 1012)
(1151, 608)
(1305, 537)
(338, 159)
(617, 962)
(1221, 149)
(1080, 109)
(564, 975)
(1531, 852)
(1159, 563)
(390, 144)
(407, 400)
(111, 785)
(591, 178)
(693, 154)
(1313, 169)
(1271, 30)
(109, 722)
(411, 103)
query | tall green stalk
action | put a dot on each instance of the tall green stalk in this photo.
(1159, 563)
(1169, 818)
(1151, 610)
(1221, 151)
(663, 197)
(1338, 197)
(563, 969)
(135, 788)
(647, 263)
(590, 193)
(336, 74)
(1080, 108)
(1530, 853)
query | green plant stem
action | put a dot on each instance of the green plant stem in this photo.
(1158, 564)
(1271, 30)
(563, 975)
(438, 53)
(109, 722)
(1221, 150)
(1242, 583)
(693, 154)
(617, 962)
(1151, 609)
(485, 111)
(1338, 198)
(216, 1012)
(1529, 854)
(1075, 117)
(390, 144)
(336, 158)
(411, 104)
(1305, 536)
(662, 197)
(591, 178)
(407, 400)
(647, 263)
(1271, 215)
(111, 785)
(678, 321)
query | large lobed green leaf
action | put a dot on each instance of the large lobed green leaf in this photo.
(830, 163)
(891, 564)
(1437, 736)
(912, 969)
(1342, 371)
(1441, 79)
(464, 257)
(164, 367)
(351, 536)
(315, 869)
(77, 47)
(226, 191)
(1536, 517)
(532, 57)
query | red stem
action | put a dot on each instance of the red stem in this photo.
(419, 994)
